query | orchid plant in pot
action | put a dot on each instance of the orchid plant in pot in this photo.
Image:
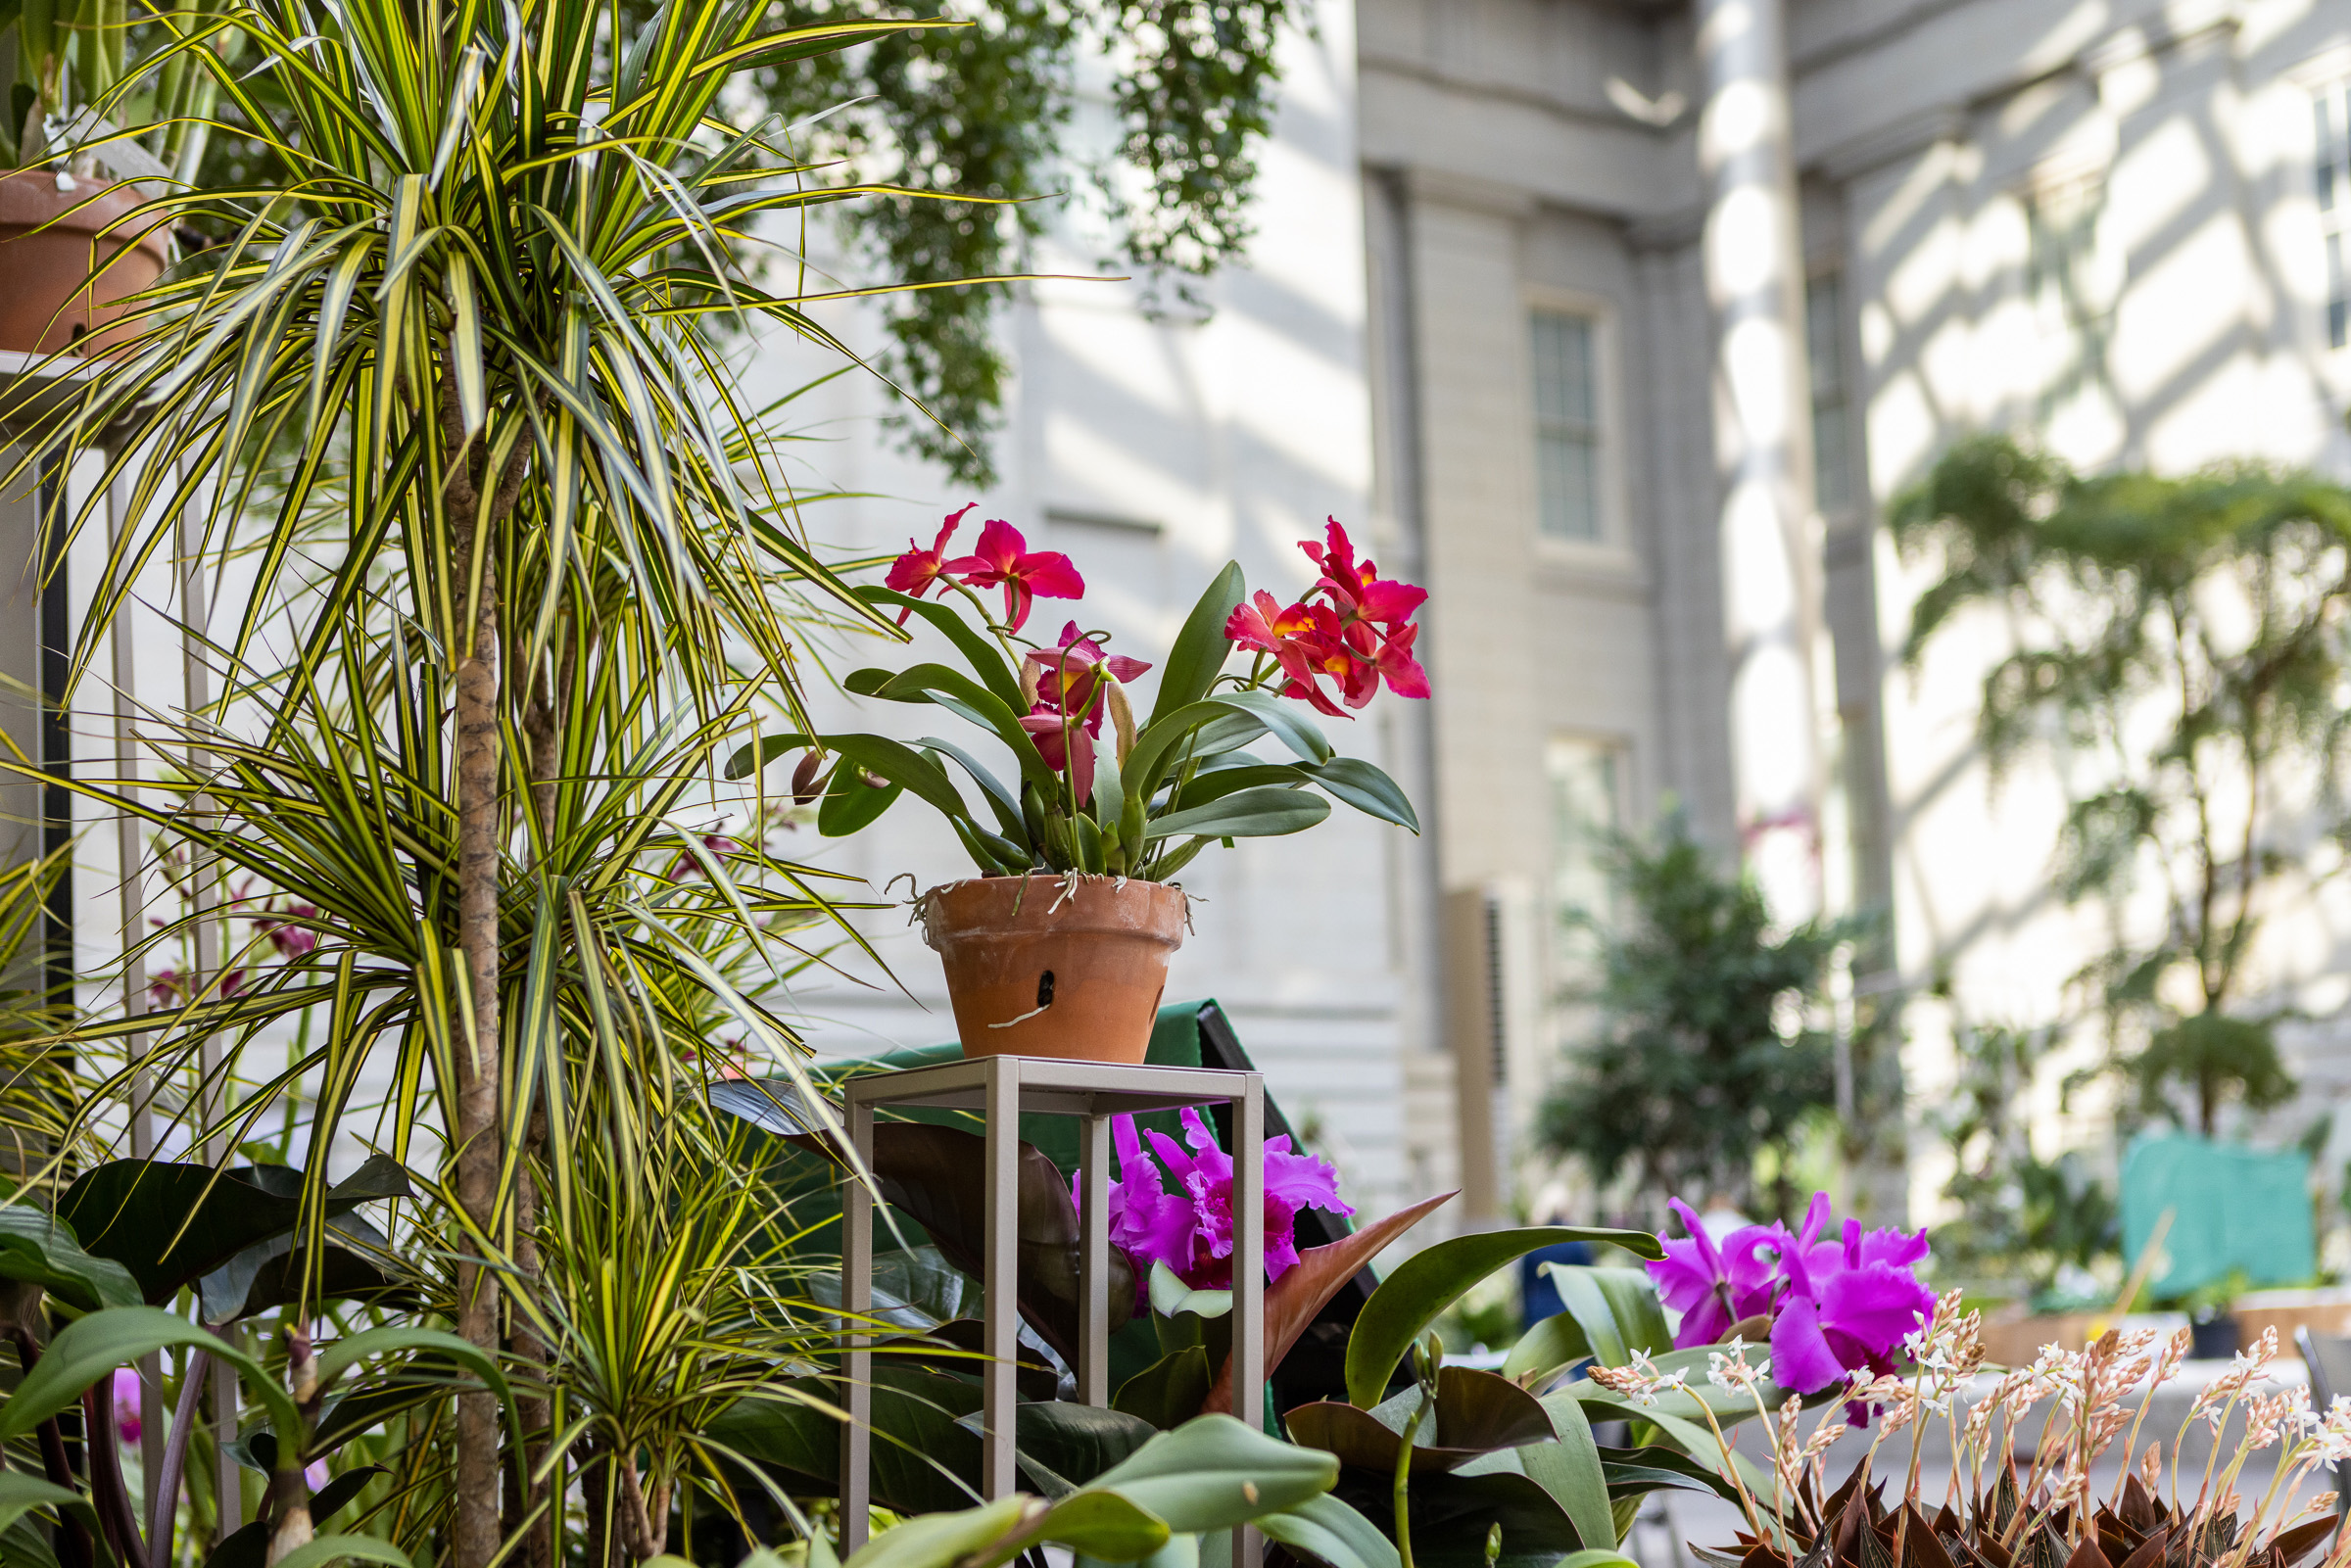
(1059, 947)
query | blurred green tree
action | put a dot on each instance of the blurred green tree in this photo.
(1706, 1051)
(2180, 643)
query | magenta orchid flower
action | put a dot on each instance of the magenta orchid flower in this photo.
(1835, 1307)
(1190, 1229)
(127, 1402)
(920, 570)
(1003, 560)
(1359, 634)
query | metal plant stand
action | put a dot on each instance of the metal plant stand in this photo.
(1003, 1088)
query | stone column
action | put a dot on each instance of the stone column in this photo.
(1763, 447)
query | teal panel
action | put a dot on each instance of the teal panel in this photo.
(2231, 1208)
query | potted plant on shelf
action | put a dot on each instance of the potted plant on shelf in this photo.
(73, 245)
(1059, 947)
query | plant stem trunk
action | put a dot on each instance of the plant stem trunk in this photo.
(480, 847)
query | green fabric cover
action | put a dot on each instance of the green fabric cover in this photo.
(2233, 1207)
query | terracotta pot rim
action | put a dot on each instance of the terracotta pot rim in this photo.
(1057, 893)
(77, 212)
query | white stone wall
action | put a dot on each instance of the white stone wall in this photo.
(1228, 439)
(2185, 131)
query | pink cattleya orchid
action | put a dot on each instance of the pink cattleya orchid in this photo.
(1358, 633)
(717, 845)
(1190, 1229)
(918, 570)
(126, 1404)
(1067, 676)
(1837, 1308)
(1357, 588)
(1003, 560)
(1066, 744)
(162, 989)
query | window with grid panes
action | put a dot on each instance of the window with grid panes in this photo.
(1831, 428)
(1567, 429)
(2333, 110)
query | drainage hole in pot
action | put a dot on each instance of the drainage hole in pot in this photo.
(1044, 989)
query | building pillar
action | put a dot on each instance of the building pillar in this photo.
(1769, 535)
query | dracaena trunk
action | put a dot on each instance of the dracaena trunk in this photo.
(480, 850)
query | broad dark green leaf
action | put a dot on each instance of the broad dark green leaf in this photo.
(1543, 1351)
(1571, 1470)
(1168, 1391)
(91, 1347)
(170, 1223)
(978, 650)
(1433, 1279)
(40, 1250)
(1263, 813)
(1475, 1413)
(1213, 1473)
(1365, 788)
(851, 805)
(1329, 1532)
(1617, 1309)
(1076, 1442)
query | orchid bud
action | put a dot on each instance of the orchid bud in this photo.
(873, 780)
(1121, 716)
(805, 785)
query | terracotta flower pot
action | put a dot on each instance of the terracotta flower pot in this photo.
(47, 301)
(1069, 967)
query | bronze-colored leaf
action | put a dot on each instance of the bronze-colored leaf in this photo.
(1292, 1301)
(2139, 1508)
(1476, 1413)
(2088, 1554)
(1920, 1547)
(2292, 1546)
(2149, 1552)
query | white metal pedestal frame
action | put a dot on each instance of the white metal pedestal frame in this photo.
(1003, 1088)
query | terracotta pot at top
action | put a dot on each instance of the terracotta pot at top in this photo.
(1069, 967)
(47, 301)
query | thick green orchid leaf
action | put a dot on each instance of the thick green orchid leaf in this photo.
(322, 1550)
(1331, 1533)
(1201, 646)
(925, 1458)
(1454, 1514)
(1617, 1309)
(1285, 717)
(1433, 1279)
(851, 805)
(984, 655)
(1365, 787)
(944, 1540)
(1168, 1391)
(1571, 1471)
(1475, 1413)
(91, 1347)
(1546, 1350)
(1263, 813)
(936, 683)
(1060, 1440)
(20, 1494)
(39, 1249)
(171, 1223)
(1655, 1467)
(1002, 801)
(1213, 1473)
(1215, 784)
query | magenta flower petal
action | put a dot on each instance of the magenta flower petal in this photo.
(1801, 1355)
(1875, 1305)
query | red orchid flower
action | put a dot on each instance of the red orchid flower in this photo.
(1069, 751)
(1004, 559)
(1358, 587)
(1294, 636)
(918, 570)
(1402, 673)
(1065, 676)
